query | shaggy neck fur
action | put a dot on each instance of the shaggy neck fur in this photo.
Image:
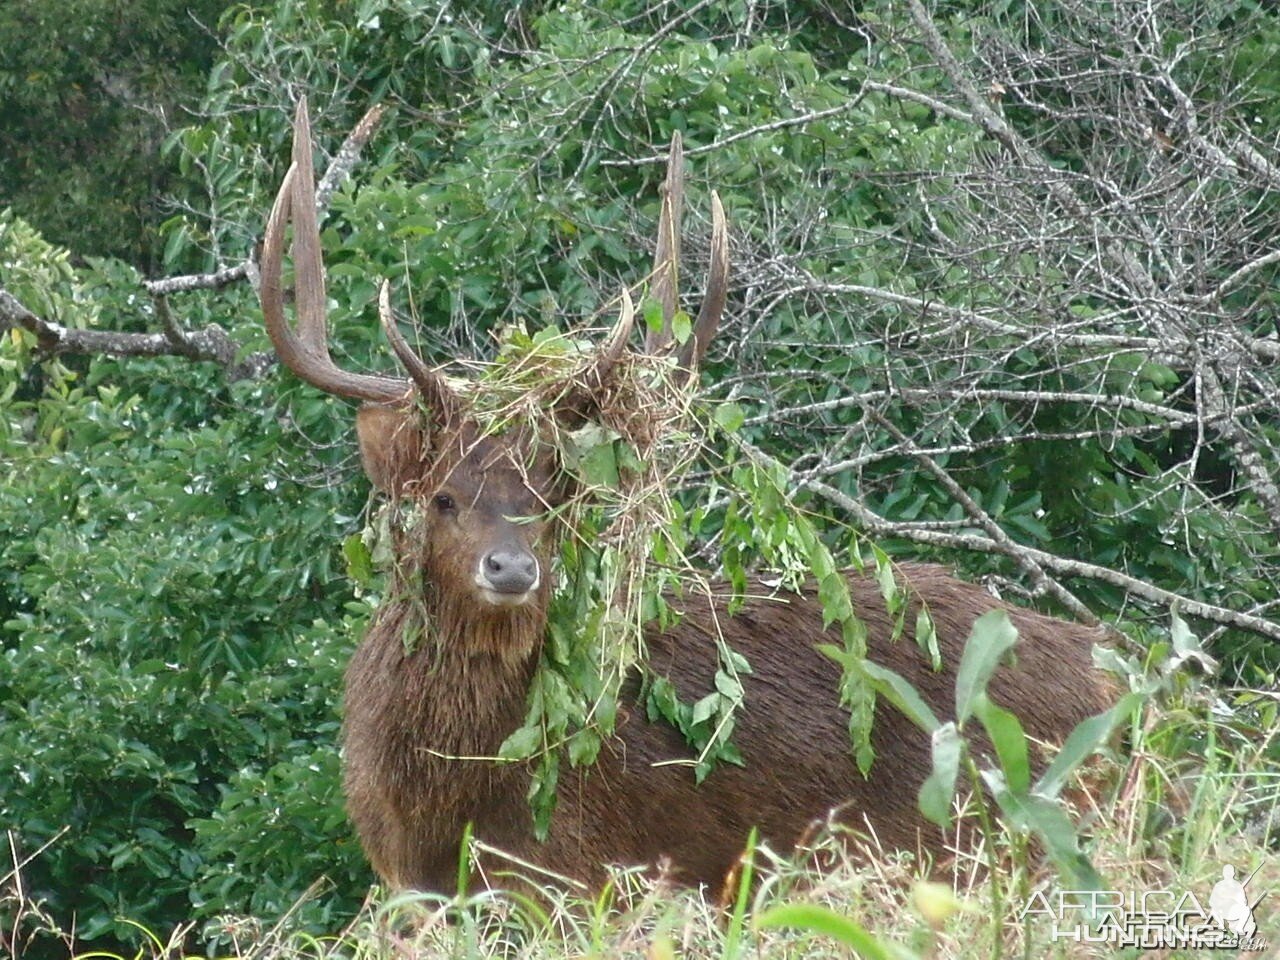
(464, 674)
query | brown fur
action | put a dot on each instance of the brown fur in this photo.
(419, 725)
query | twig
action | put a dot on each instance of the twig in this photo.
(1040, 580)
(786, 122)
(339, 169)
(1064, 566)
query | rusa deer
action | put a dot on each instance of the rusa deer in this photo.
(420, 724)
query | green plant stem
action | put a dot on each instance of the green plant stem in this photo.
(984, 819)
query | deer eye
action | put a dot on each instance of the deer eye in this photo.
(444, 502)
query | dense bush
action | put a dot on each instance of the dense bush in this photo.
(174, 625)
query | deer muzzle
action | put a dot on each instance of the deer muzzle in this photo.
(508, 575)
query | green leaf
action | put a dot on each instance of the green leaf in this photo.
(939, 788)
(652, 310)
(728, 685)
(584, 747)
(833, 593)
(705, 708)
(681, 326)
(729, 416)
(1087, 737)
(885, 580)
(990, 639)
(927, 638)
(1008, 739)
(895, 688)
(359, 560)
(823, 921)
(524, 743)
(1187, 648)
(1048, 821)
(599, 467)
(846, 660)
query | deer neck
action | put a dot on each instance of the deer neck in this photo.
(465, 668)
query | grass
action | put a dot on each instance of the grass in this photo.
(1198, 787)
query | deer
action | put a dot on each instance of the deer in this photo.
(422, 728)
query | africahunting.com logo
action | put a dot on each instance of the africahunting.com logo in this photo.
(1154, 919)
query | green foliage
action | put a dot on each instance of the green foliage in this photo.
(1029, 807)
(85, 88)
(172, 639)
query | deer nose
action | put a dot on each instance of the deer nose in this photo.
(508, 570)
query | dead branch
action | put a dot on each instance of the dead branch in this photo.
(210, 344)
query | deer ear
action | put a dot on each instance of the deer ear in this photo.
(392, 444)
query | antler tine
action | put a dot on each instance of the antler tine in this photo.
(612, 351)
(713, 298)
(306, 351)
(665, 285)
(438, 396)
(308, 266)
(583, 396)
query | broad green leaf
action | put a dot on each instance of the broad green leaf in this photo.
(359, 560)
(1087, 737)
(1049, 821)
(1187, 647)
(681, 326)
(598, 466)
(652, 310)
(939, 788)
(523, 743)
(895, 688)
(1008, 739)
(705, 708)
(728, 685)
(990, 639)
(728, 416)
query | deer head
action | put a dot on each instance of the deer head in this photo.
(480, 543)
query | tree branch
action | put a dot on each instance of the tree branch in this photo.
(878, 526)
(782, 124)
(1040, 580)
(211, 344)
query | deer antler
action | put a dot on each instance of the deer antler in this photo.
(306, 350)
(713, 298)
(665, 286)
(666, 268)
(435, 393)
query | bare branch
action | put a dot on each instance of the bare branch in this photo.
(1063, 566)
(1041, 582)
(1240, 275)
(201, 281)
(210, 344)
(339, 169)
(783, 124)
